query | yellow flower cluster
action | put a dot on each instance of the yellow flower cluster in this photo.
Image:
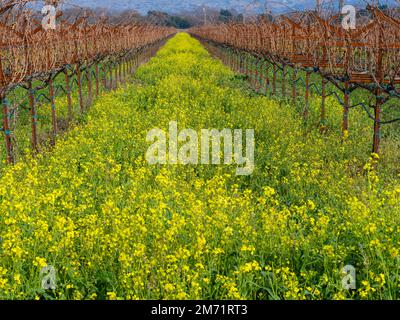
(114, 227)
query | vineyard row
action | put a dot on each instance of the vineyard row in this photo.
(366, 59)
(75, 59)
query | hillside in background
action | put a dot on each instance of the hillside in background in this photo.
(143, 6)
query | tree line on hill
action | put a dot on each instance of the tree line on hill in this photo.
(183, 20)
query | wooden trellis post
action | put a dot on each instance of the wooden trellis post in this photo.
(379, 99)
(111, 76)
(79, 80)
(53, 110)
(248, 74)
(252, 72)
(260, 74)
(323, 101)
(294, 85)
(97, 79)
(120, 75)
(284, 80)
(117, 80)
(256, 76)
(125, 69)
(346, 107)
(235, 61)
(267, 66)
(238, 62)
(6, 129)
(104, 77)
(89, 79)
(307, 95)
(244, 64)
(124, 73)
(34, 117)
(118, 70)
(377, 123)
(255, 73)
(69, 98)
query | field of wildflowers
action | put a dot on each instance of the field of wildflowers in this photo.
(114, 227)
